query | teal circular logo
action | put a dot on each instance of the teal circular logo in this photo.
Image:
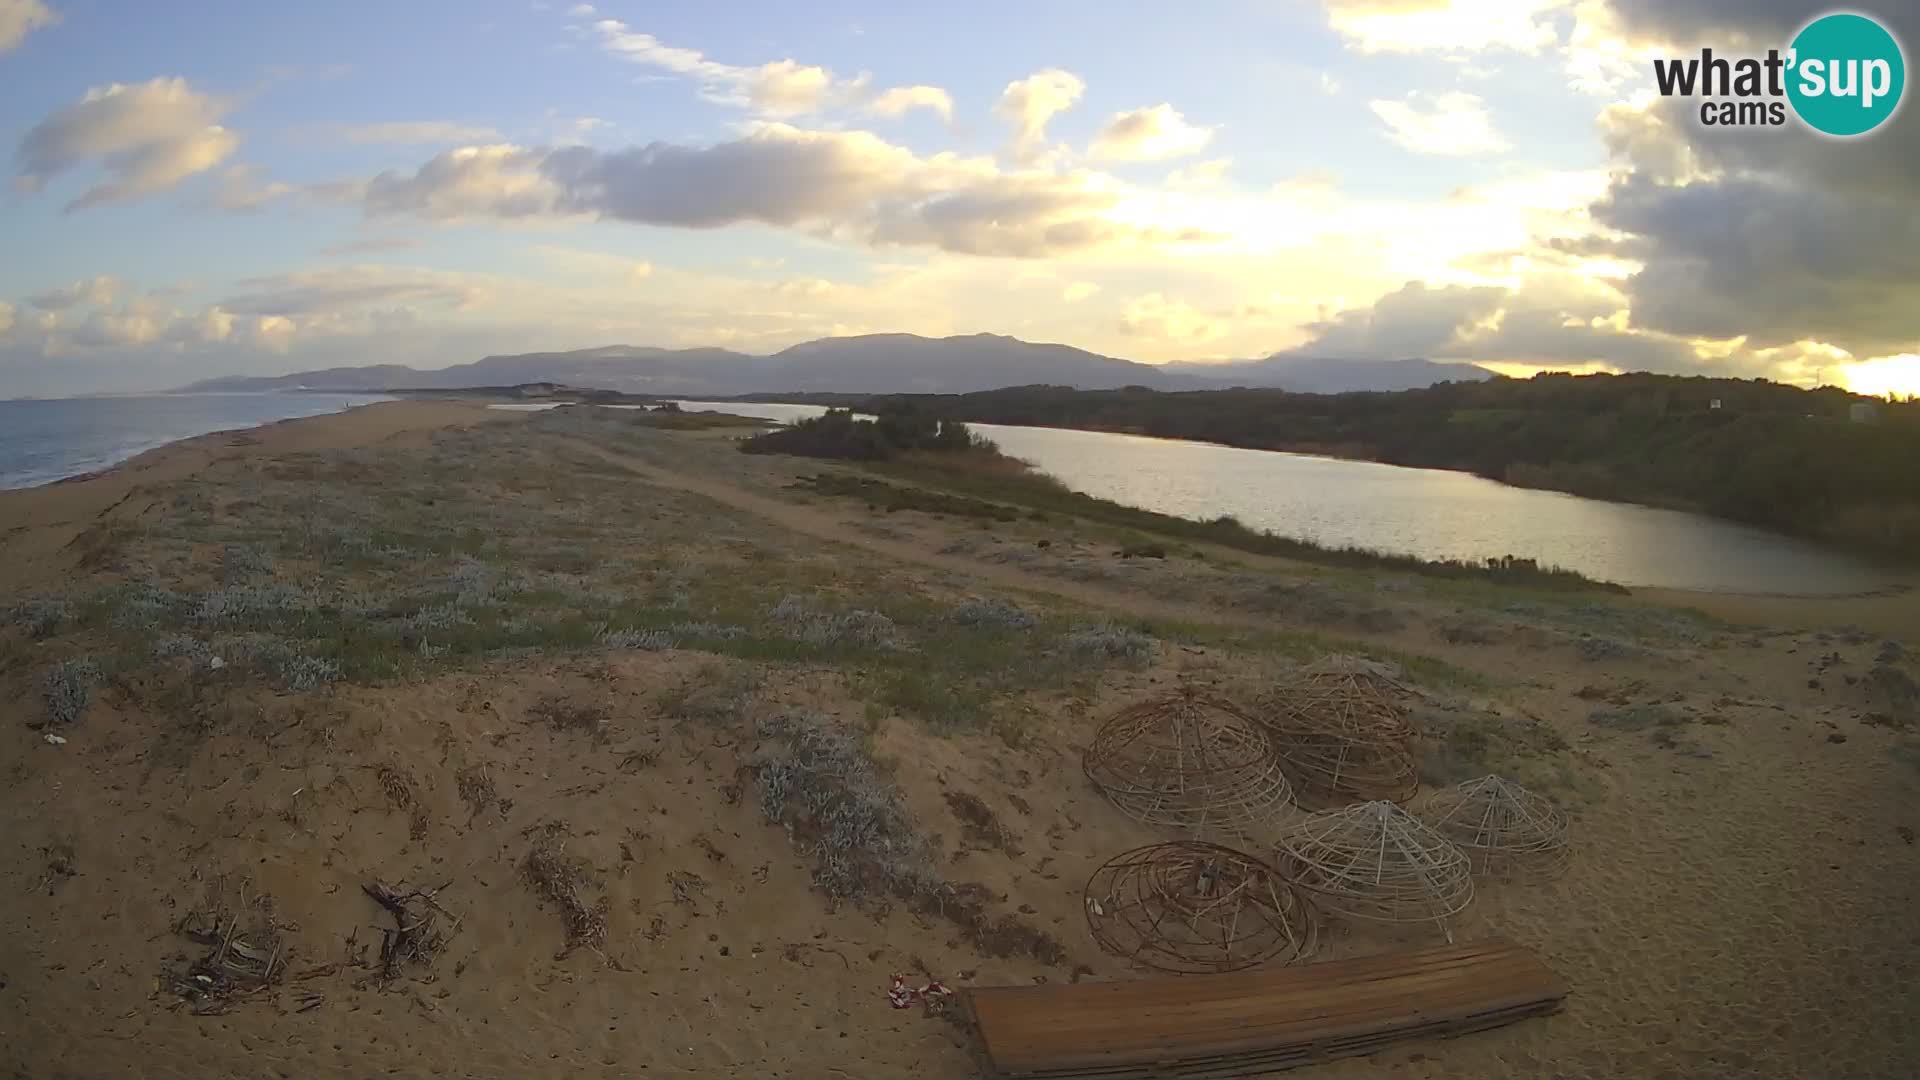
(1845, 74)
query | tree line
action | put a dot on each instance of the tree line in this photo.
(1766, 454)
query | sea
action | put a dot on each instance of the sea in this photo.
(46, 440)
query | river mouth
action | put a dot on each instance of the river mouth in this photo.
(1426, 513)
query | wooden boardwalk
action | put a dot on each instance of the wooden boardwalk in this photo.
(1207, 1026)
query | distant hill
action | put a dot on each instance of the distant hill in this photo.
(871, 364)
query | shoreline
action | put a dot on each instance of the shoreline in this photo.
(417, 414)
(36, 523)
(93, 468)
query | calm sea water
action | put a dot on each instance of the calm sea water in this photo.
(43, 441)
(1430, 513)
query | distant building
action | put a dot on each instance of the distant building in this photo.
(1863, 412)
(1715, 405)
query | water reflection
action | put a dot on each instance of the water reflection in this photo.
(1430, 513)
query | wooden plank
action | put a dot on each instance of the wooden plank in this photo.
(1198, 1025)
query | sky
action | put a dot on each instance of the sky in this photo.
(238, 188)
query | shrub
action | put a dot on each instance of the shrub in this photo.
(630, 638)
(1109, 640)
(40, 616)
(707, 631)
(440, 617)
(67, 687)
(238, 562)
(198, 654)
(292, 669)
(252, 605)
(147, 607)
(818, 781)
(800, 620)
(990, 615)
(473, 583)
(836, 434)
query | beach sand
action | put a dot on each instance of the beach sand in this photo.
(1744, 794)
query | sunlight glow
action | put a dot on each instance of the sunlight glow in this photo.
(1898, 376)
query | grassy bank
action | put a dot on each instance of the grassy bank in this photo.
(1796, 461)
(997, 484)
(917, 447)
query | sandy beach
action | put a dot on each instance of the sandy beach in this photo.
(480, 652)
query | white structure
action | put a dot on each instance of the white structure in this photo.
(1862, 412)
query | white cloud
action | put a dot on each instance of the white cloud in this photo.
(900, 99)
(1201, 174)
(91, 292)
(1150, 134)
(1029, 103)
(850, 185)
(146, 137)
(1155, 316)
(1078, 291)
(310, 293)
(780, 88)
(574, 130)
(500, 181)
(18, 18)
(1454, 123)
(244, 187)
(415, 132)
(1446, 25)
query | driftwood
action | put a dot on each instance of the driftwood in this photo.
(416, 936)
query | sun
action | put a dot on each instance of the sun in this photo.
(1898, 376)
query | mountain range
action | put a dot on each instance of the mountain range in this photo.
(870, 364)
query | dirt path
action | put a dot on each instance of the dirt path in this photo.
(822, 525)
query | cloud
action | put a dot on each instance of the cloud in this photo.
(500, 181)
(1150, 134)
(1415, 321)
(331, 291)
(146, 137)
(1524, 26)
(1553, 320)
(1453, 123)
(1717, 22)
(1078, 291)
(1778, 237)
(91, 292)
(244, 187)
(847, 184)
(414, 132)
(900, 99)
(1028, 104)
(18, 18)
(780, 88)
(1200, 174)
(1155, 316)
